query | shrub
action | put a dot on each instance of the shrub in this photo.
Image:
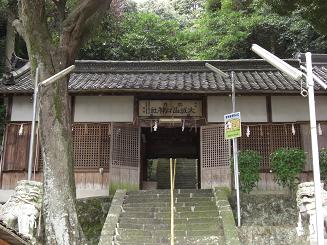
(287, 164)
(323, 164)
(249, 167)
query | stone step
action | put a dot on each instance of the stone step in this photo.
(167, 209)
(159, 204)
(136, 199)
(167, 194)
(167, 243)
(163, 226)
(129, 233)
(177, 242)
(165, 233)
(167, 191)
(166, 215)
(146, 218)
(187, 240)
(209, 220)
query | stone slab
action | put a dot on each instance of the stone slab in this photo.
(109, 227)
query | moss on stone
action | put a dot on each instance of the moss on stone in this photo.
(123, 186)
(264, 209)
(92, 213)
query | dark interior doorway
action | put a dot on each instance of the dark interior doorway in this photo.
(167, 142)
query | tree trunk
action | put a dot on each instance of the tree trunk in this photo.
(61, 222)
(10, 41)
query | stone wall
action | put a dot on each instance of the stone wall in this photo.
(268, 219)
(272, 210)
(226, 216)
(270, 235)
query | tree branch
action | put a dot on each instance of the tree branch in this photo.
(19, 27)
(33, 25)
(76, 25)
(61, 6)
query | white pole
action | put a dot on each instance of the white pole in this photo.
(36, 89)
(235, 152)
(58, 75)
(315, 152)
(31, 150)
(215, 69)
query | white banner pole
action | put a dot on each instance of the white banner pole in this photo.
(315, 152)
(235, 157)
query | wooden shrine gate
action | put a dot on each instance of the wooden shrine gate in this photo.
(214, 152)
(125, 157)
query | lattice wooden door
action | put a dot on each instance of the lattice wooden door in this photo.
(125, 157)
(215, 169)
(17, 146)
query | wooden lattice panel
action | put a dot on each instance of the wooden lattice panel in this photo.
(91, 144)
(258, 140)
(16, 148)
(126, 146)
(105, 133)
(267, 138)
(214, 147)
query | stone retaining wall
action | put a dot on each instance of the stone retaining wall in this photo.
(92, 213)
(226, 215)
(269, 219)
(108, 230)
(270, 235)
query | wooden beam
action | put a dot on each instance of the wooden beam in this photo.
(268, 108)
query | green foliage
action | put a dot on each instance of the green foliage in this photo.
(188, 7)
(323, 164)
(184, 30)
(213, 5)
(221, 35)
(249, 167)
(228, 33)
(287, 164)
(162, 8)
(139, 36)
(313, 11)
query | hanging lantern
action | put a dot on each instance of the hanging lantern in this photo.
(319, 129)
(293, 129)
(21, 130)
(248, 131)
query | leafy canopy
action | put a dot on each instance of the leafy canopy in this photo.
(138, 36)
(313, 11)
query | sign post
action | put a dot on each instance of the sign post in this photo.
(232, 125)
(232, 131)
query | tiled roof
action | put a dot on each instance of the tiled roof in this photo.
(251, 76)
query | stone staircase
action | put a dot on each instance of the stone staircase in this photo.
(145, 218)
